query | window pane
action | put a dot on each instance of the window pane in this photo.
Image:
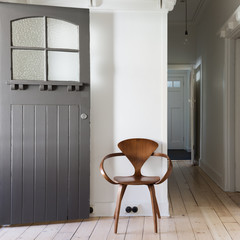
(28, 65)
(63, 66)
(177, 84)
(169, 83)
(28, 32)
(62, 34)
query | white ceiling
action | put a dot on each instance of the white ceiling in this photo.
(194, 8)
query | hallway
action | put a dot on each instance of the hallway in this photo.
(199, 210)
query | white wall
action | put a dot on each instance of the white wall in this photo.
(179, 51)
(128, 98)
(211, 48)
(15, 1)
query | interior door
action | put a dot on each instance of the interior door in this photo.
(175, 112)
(44, 113)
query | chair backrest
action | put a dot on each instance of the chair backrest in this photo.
(137, 150)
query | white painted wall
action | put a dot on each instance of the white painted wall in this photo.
(179, 51)
(128, 99)
(210, 47)
(15, 1)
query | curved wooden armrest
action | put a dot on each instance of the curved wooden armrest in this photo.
(102, 168)
(170, 166)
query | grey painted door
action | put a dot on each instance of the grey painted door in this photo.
(44, 113)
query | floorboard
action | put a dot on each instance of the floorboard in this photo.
(168, 229)
(86, 229)
(32, 232)
(122, 228)
(102, 229)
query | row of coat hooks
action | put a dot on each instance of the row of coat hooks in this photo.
(46, 86)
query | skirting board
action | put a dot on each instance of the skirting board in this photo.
(215, 176)
(144, 209)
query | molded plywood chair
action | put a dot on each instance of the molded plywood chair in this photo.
(137, 150)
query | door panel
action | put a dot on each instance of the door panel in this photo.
(44, 165)
(73, 190)
(44, 150)
(40, 165)
(16, 162)
(51, 161)
(28, 164)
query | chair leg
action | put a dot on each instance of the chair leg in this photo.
(152, 193)
(121, 191)
(156, 204)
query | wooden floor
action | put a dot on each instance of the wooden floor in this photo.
(199, 210)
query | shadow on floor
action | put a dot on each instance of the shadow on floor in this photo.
(179, 154)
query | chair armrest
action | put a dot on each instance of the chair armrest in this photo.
(170, 166)
(102, 167)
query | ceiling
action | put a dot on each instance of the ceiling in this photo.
(194, 8)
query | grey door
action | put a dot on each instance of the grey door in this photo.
(44, 113)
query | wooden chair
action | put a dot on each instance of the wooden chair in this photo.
(137, 150)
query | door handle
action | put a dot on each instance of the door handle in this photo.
(84, 116)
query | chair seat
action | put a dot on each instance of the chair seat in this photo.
(134, 180)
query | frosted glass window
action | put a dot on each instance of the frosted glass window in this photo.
(28, 32)
(177, 84)
(63, 66)
(62, 34)
(32, 42)
(169, 84)
(28, 65)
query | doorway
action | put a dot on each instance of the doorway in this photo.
(179, 137)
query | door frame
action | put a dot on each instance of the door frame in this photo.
(186, 97)
(199, 65)
(191, 68)
(229, 115)
(182, 76)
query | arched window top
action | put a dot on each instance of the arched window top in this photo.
(28, 32)
(62, 34)
(45, 32)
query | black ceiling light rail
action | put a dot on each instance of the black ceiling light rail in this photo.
(186, 21)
